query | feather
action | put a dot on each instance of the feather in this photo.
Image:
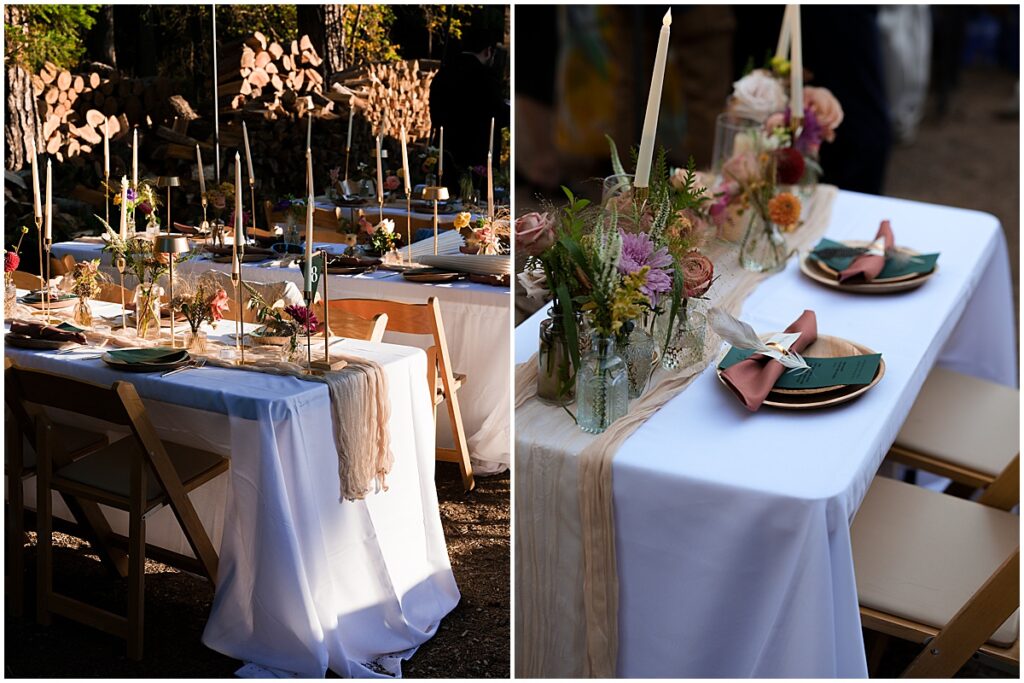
(736, 332)
(839, 252)
(901, 258)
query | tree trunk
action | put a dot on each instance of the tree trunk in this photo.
(355, 32)
(100, 41)
(21, 124)
(334, 38)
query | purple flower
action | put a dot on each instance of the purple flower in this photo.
(638, 251)
(132, 194)
(304, 316)
(811, 135)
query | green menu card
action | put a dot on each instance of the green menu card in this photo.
(824, 372)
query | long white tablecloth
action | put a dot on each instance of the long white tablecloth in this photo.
(732, 528)
(306, 582)
(476, 321)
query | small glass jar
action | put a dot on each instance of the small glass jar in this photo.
(10, 295)
(83, 313)
(683, 344)
(639, 352)
(764, 249)
(602, 386)
(195, 342)
(555, 380)
(147, 311)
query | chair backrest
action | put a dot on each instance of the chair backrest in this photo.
(64, 393)
(284, 291)
(61, 266)
(111, 291)
(23, 280)
(1004, 492)
(345, 324)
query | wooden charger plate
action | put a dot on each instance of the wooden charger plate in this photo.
(813, 270)
(245, 258)
(825, 346)
(55, 304)
(431, 275)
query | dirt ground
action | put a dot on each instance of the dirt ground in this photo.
(472, 642)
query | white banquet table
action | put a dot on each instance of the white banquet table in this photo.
(476, 321)
(732, 528)
(306, 582)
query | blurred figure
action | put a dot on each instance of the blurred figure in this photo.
(906, 39)
(465, 94)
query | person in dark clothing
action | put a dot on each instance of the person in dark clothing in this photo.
(465, 94)
(842, 52)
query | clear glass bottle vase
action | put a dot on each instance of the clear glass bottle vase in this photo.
(763, 249)
(640, 353)
(555, 380)
(683, 342)
(602, 386)
(147, 311)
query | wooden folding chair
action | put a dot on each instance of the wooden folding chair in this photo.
(138, 474)
(23, 280)
(112, 292)
(969, 440)
(19, 466)
(941, 571)
(344, 324)
(61, 266)
(441, 381)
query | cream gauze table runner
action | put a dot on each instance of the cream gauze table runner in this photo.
(600, 580)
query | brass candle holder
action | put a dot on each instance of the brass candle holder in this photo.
(252, 197)
(435, 193)
(408, 224)
(106, 196)
(348, 153)
(325, 365)
(641, 195)
(172, 245)
(47, 243)
(121, 266)
(39, 239)
(236, 282)
(205, 225)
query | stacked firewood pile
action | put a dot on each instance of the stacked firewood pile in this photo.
(390, 94)
(76, 110)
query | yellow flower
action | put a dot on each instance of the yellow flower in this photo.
(780, 65)
(401, 173)
(462, 220)
(117, 198)
(784, 210)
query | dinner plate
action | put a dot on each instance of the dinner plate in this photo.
(25, 342)
(807, 399)
(247, 257)
(878, 280)
(811, 268)
(55, 304)
(493, 280)
(113, 362)
(347, 270)
(431, 275)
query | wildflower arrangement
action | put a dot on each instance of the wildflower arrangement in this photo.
(293, 206)
(203, 302)
(384, 238)
(86, 279)
(290, 321)
(144, 197)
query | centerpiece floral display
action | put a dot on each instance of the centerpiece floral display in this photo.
(280, 325)
(12, 259)
(219, 197)
(621, 274)
(86, 283)
(294, 210)
(143, 198)
(483, 236)
(203, 301)
(141, 259)
(382, 238)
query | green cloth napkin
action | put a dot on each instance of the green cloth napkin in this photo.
(158, 355)
(824, 372)
(34, 297)
(68, 327)
(922, 263)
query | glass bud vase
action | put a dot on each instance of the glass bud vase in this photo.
(10, 295)
(147, 311)
(640, 352)
(602, 386)
(555, 385)
(764, 248)
(83, 313)
(684, 343)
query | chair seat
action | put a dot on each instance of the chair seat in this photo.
(458, 379)
(108, 472)
(965, 421)
(920, 555)
(73, 439)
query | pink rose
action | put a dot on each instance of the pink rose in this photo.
(218, 304)
(698, 272)
(826, 108)
(757, 95)
(391, 183)
(366, 226)
(776, 120)
(535, 232)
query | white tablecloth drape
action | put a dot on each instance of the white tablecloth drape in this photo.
(307, 583)
(476, 321)
(732, 528)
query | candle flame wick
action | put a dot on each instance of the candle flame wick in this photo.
(667, 21)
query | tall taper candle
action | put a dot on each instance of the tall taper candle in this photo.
(646, 154)
(48, 235)
(309, 129)
(135, 159)
(238, 208)
(380, 175)
(106, 149)
(351, 115)
(440, 157)
(37, 200)
(405, 163)
(490, 140)
(216, 110)
(202, 176)
(248, 156)
(785, 34)
(309, 226)
(796, 69)
(124, 208)
(490, 188)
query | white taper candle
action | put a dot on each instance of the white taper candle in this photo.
(124, 208)
(248, 154)
(135, 159)
(106, 148)
(646, 154)
(405, 163)
(796, 73)
(202, 176)
(37, 200)
(48, 235)
(380, 174)
(309, 224)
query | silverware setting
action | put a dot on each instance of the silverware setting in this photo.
(190, 366)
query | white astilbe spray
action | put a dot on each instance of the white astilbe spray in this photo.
(742, 336)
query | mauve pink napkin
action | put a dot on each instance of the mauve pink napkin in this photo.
(869, 265)
(752, 379)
